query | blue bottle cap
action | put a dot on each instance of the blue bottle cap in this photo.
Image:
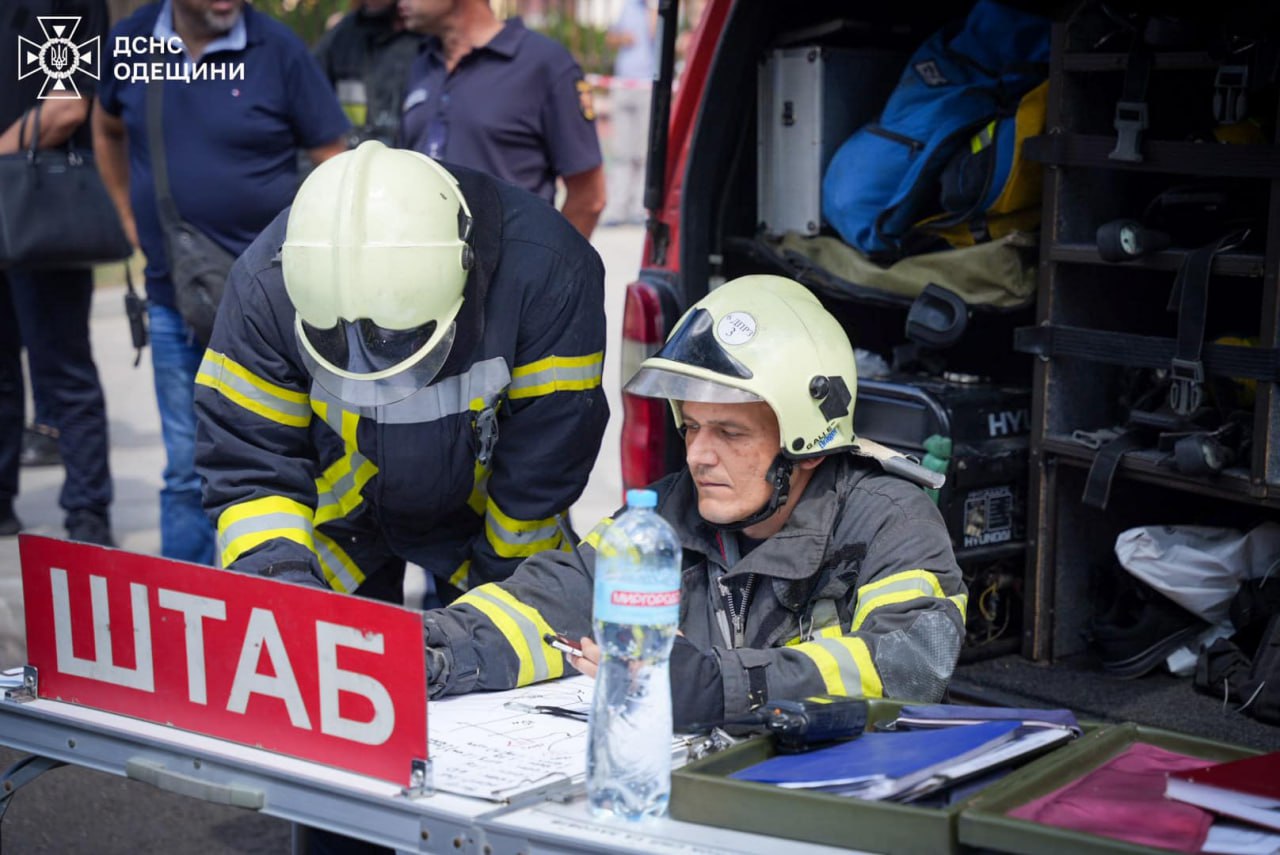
(642, 499)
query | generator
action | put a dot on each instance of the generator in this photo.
(978, 434)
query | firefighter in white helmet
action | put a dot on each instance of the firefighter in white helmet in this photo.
(405, 367)
(810, 564)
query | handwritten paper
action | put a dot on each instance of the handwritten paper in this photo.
(490, 746)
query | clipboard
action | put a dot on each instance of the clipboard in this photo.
(494, 746)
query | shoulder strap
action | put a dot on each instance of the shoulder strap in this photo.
(165, 207)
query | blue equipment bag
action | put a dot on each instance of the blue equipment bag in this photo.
(885, 178)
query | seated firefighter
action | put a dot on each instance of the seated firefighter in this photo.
(807, 568)
(405, 367)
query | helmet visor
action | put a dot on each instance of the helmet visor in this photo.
(664, 383)
(695, 345)
(365, 365)
(363, 347)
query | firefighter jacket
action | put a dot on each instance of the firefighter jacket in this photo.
(465, 477)
(859, 593)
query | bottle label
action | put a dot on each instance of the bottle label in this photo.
(637, 604)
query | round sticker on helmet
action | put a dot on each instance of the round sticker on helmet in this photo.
(736, 328)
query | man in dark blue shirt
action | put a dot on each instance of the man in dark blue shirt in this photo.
(241, 95)
(495, 97)
(48, 310)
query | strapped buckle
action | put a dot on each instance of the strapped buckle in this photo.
(485, 425)
(1186, 386)
(1230, 99)
(1131, 121)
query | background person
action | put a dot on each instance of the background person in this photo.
(415, 376)
(633, 36)
(231, 147)
(48, 310)
(807, 569)
(493, 96)
(366, 56)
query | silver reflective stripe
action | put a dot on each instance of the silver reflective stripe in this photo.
(334, 570)
(850, 673)
(485, 380)
(344, 486)
(232, 382)
(558, 375)
(528, 631)
(264, 522)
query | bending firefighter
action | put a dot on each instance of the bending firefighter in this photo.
(405, 367)
(807, 567)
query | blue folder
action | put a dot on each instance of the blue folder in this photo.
(880, 755)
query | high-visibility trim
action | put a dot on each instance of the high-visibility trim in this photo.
(241, 387)
(338, 489)
(339, 570)
(962, 603)
(845, 665)
(898, 588)
(459, 577)
(479, 488)
(522, 627)
(244, 526)
(513, 538)
(557, 374)
(485, 382)
(982, 138)
(593, 537)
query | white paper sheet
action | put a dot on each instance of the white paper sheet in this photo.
(484, 745)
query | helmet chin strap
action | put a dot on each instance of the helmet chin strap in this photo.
(779, 475)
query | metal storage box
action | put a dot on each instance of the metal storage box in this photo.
(810, 100)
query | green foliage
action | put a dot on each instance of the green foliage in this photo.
(585, 42)
(305, 17)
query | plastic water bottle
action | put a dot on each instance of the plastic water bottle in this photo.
(637, 608)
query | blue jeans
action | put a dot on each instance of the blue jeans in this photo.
(185, 532)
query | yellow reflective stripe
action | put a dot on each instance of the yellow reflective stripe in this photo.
(479, 488)
(593, 537)
(339, 570)
(556, 374)
(982, 138)
(522, 627)
(513, 538)
(244, 526)
(844, 662)
(898, 588)
(261, 397)
(870, 677)
(828, 667)
(350, 422)
(962, 603)
(459, 577)
(338, 490)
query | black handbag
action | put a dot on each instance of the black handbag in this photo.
(198, 265)
(54, 208)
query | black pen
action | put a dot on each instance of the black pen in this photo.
(564, 645)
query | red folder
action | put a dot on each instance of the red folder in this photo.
(1247, 789)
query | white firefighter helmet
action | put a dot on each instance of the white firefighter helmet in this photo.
(762, 338)
(375, 262)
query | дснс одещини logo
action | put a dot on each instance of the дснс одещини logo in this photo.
(59, 58)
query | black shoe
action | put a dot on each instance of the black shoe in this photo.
(10, 525)
(40, 446)
(1140, 630)
(89, 527)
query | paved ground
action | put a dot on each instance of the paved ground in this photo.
(72, 810)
